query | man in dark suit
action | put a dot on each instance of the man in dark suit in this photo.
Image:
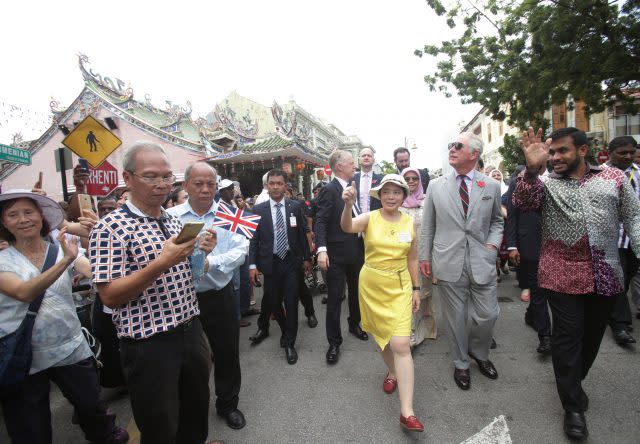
(340, 254)
(365, 180)
(402, 159)
(279, 249)
(524, 236)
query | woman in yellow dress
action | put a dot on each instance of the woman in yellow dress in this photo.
(389, 286)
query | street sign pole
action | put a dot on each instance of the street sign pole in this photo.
(63, 174)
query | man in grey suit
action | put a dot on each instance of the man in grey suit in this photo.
(460, 236)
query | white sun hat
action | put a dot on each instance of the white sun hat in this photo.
(395, 179)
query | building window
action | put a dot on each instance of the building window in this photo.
(489, 133)
(559, 113)
(627, 125)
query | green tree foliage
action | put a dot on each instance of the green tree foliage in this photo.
(517, 57)
(512, 155)
(387, 167)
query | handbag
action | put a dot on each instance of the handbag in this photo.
(15, 348)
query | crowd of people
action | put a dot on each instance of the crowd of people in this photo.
(400, 248)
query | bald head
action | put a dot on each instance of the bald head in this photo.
(366, 159)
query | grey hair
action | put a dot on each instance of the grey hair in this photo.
(187, 170)
(336, 156)
(475, 142)
(129, 157)
(265, 178)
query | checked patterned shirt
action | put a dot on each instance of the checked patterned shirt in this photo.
(125, 241)
(580, 228)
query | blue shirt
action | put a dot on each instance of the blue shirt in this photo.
(230, 252)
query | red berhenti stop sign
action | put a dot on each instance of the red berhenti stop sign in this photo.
(102, 180)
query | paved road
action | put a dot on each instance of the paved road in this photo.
(312, 402)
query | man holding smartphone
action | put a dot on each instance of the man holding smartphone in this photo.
(145, 277)
(215, 290)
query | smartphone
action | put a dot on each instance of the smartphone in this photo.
(83, 163)
(189, 231)
(84, 201)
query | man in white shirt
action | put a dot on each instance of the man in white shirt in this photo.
(365, 180)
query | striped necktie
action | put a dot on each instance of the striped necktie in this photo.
(464, 193)
(281, 233)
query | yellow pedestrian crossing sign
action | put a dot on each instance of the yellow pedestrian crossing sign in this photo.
(92, 141)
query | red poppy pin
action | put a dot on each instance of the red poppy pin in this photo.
(481, 183)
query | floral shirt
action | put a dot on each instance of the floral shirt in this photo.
(57, 339)
(580, 227)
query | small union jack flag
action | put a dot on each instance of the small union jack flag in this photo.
(236, 220)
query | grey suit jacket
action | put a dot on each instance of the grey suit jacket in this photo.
(445, 232)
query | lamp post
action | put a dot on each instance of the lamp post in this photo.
(410, 141)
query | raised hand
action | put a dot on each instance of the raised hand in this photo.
(535, 151)
(69, 248)
(349, 194)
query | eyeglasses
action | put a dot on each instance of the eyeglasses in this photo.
(155, 180)
(456, 145)
(412, 178)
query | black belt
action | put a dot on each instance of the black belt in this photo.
(185, 326)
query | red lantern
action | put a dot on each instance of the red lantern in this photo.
(299, 166)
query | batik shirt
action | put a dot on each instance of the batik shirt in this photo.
(580, 228)
(124, 242)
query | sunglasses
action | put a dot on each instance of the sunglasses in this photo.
(456, 145)
(411, 178)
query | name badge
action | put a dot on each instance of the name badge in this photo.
(404, 237)
(293, 222)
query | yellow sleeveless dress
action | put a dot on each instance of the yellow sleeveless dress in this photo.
(385, 284)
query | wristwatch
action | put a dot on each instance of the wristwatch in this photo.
(416, 288)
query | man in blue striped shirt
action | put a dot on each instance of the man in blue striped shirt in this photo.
(215, 289)
(622, 151)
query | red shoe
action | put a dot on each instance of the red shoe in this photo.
(389, 385)
(411, 423)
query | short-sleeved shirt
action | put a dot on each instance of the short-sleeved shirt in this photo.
(57, 337)
(124, 242)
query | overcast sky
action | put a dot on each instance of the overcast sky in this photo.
(348, 61)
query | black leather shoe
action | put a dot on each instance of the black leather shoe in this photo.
(358, 333)
(462, 378)
(312, 321)
(622, 337)
(493, 345)
(544, 348)
(292, 354)
(575, 425)
(584, 401)
(251, 312)
(235, 419)
(333, 354)
(324, 300)
(260, 336)
(486, 367)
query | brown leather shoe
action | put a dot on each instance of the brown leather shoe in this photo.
(486, 367)
(462, 378)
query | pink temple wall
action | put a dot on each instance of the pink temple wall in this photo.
(26, 175)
